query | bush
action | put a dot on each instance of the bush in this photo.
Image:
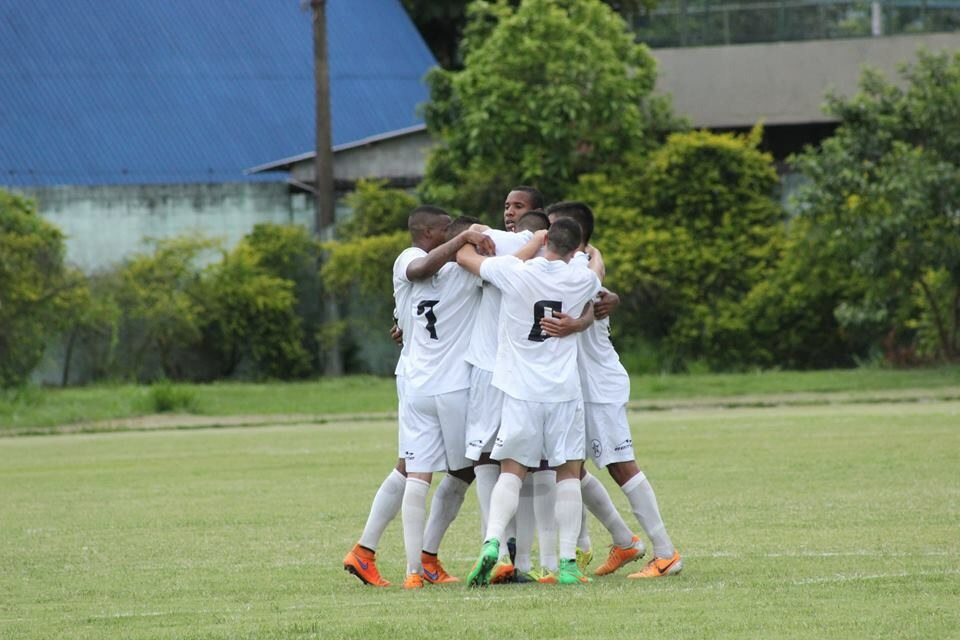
(165, 397)
(687, 232)
(36, 288)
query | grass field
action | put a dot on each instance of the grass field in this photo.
(36, 409)
(795, 522)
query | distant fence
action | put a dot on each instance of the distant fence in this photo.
(687, 23)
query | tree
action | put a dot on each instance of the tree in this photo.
(442, 24)
(687, 232)
(161, 305)
(250, 315)
(550, 90)
(36, 287)
(886, 187)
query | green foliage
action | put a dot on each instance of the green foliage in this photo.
(550, 90)
(366, 263)
(362, 259)
(377, 210)
(36, 288)
(165, 397)
(290, 253)
(250, 314)
(886, 189)
(687, 232)
(162, 304)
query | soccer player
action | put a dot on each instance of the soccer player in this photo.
(520, 200)
(429, 252)
(606, 389)
(483, 415)
(538, 376)
(434, 407)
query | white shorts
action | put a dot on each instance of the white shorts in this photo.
(432, 432)
(483, 413)
(535, 431)
(608, 433)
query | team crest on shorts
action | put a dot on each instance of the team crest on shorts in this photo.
(597, 448)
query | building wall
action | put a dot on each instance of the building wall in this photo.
(780, 83)
(105, 224)
(403, 157)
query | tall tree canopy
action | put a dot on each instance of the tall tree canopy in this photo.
(550, 90)
(886, 189)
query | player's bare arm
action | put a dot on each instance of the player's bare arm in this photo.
(607, 303)
(529, 250)
(428, 265)
(470, 259)
(596, 261)
(396, 333)
(562, 324)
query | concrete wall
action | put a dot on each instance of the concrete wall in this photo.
(780, 83)
(108, 223)
(403, 157)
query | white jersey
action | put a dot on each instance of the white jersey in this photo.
(530, 365)
(602, 377)
(483, 345)
(440, 320)
(402, 291)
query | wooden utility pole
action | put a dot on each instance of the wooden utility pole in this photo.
(323, 167)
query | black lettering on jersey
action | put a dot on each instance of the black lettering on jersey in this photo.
(536, 332)
(428, 305)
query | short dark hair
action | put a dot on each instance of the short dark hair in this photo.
(423, 217)
(536, 198)
(577, 210)
(460, 224)
(533, 220)
(564, 236)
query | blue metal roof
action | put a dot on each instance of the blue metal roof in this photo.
(174, 91)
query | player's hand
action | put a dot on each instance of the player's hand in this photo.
(484, 244)
(396, 334)
(608, 302)
(541, 235)
(560, 325)
(479, 227)
(596, 262)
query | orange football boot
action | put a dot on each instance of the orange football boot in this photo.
(433, 571)
(361, 562)
(413, 581)
(620, 556)
(660, 567)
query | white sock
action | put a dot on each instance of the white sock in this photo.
(597, 500)
(503, 504)
(545, 510)
(644, 505)
(444, 508)
(487, 475)
(509, 532)
(569, 508)
(583, 540)
(526, 523)
(385, 506)
(414, 509)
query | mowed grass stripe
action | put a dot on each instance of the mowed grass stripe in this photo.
(794, 521)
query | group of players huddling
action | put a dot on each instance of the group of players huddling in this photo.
(507, 375)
